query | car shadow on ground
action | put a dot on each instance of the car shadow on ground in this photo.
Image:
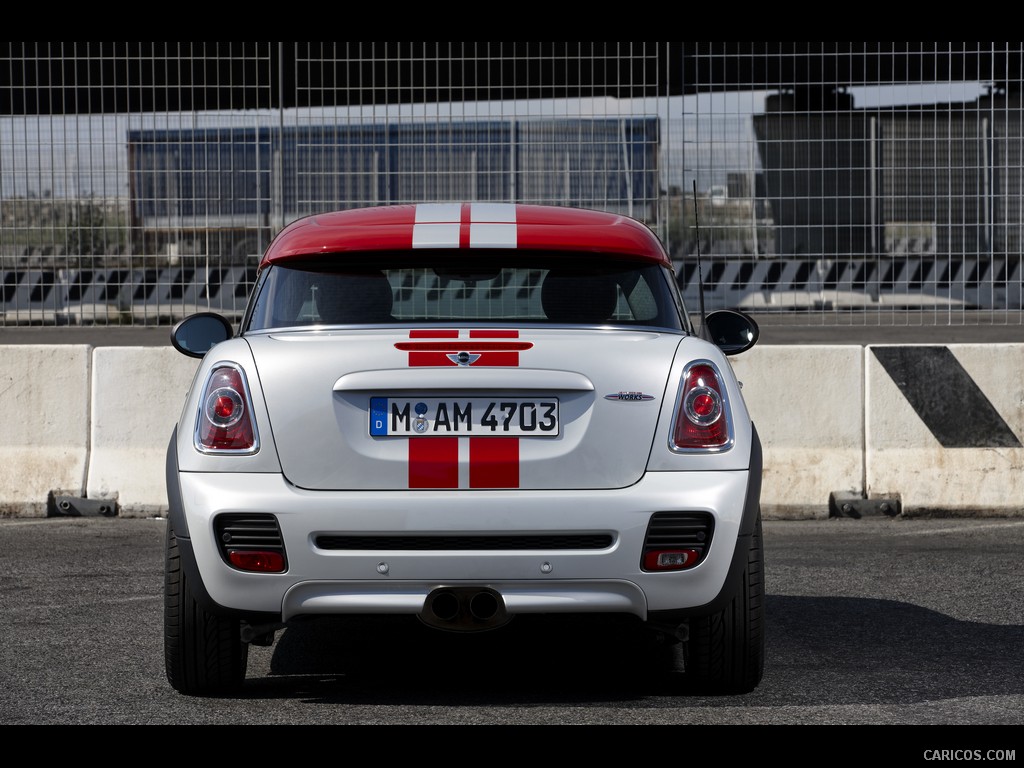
(819, 650)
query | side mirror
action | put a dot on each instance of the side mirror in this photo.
(731, 331)
(197, 334)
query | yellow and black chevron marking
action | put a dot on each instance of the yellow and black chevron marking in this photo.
(945, 397)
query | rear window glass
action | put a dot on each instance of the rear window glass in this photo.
(456, 289)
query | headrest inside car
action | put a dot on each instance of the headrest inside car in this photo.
(573, 298)
(342, 299)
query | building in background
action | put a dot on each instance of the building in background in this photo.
(227, 191)
(139, 181)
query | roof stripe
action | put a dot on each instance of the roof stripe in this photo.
(467, 225)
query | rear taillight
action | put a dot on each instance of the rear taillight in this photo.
(224, 423)
(702, 415)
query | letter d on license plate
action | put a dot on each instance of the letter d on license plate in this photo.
(469, 417)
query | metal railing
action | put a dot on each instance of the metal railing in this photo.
(141, 181)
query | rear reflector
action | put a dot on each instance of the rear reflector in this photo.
(260, 562)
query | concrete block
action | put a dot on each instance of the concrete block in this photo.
(806, 402)
(137, 397)
(44, 399)
(945, 427)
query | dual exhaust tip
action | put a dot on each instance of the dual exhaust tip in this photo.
(464, 609)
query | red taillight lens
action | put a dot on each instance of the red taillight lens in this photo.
(701, 421)
(225, 422)
(262, 562)
(224, 408)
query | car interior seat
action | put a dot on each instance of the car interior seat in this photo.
(572, 298)
(352, 298)
(292, 293)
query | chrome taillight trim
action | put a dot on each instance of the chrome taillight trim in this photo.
(679, 405)
(200, 414)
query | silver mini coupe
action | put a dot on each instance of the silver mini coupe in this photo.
(464, 413)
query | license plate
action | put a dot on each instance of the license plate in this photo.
(468, 417)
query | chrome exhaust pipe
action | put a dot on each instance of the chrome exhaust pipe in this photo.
(464, 609)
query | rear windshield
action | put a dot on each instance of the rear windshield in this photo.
(447, 288)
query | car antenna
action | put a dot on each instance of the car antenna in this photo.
(700, 276)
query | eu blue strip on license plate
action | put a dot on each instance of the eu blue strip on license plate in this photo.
(469, 417)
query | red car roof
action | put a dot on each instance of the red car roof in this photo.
(466, 225)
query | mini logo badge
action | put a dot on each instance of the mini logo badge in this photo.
(629, 396)
(463, 358)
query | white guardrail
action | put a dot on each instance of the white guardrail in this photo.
(846, 430)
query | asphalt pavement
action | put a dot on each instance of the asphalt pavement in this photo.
(871, 622)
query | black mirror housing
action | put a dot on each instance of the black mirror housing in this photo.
(731, 331)
(197, 334)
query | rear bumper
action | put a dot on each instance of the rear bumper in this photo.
(337, 581)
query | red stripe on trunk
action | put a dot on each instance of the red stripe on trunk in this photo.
(434, 462)
(422, 359)
(432, 333)
(494, 462)
(498, 359)
(493, 333)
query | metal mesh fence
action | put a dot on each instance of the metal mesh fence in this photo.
(851, 183)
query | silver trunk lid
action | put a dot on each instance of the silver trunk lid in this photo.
(389, 409)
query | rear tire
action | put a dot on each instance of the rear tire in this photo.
(725, 651)
(203, 652)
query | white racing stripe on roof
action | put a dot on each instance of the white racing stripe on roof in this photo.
(435, 236)
(493, 213)
(492, 236)
(434, 213)
(491, 225)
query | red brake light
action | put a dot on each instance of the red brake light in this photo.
(225, 422)
(263, 562)
(701, 420)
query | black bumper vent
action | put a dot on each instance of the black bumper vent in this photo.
(680, 530)
(248, 533)
(464, 542)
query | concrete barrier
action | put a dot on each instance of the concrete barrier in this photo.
(846, 429)
(806, 403)
(44, 400)
(945, 426)
(137, 397)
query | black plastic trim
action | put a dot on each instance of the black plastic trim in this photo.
(509, 542)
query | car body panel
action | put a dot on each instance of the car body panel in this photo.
(347, 581)
(320, 419)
